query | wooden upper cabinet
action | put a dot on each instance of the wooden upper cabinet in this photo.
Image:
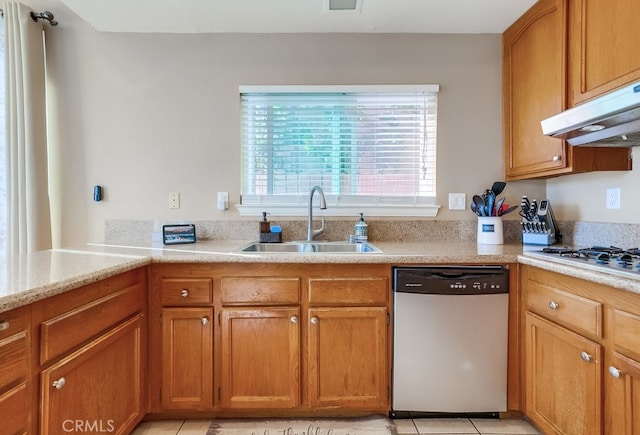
(533, 89)
(603, 46)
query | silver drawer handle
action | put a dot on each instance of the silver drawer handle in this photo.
(205, 320)
(59, 383)
(314, 320)
(184, 293)
(4, 325)
(614, 372)
(554, 305)
(556, 158)
(585, 356)
(294, 319)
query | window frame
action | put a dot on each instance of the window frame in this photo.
(340, 205)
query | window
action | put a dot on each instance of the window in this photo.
(365, 146)
(3, 146)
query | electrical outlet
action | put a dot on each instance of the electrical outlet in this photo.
(457, 201)
(174, 200)
(613, 198)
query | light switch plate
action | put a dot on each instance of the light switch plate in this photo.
(457, 201)
(174, 200)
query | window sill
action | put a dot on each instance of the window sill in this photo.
(340, 210)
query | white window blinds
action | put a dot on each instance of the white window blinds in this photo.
(353, 142)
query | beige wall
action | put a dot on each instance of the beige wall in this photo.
(581, 197)
(148, 114)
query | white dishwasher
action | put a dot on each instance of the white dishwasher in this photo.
(450, 340)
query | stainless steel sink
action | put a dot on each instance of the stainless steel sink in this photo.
(312, 247)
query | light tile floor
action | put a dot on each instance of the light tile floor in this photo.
(422, 426)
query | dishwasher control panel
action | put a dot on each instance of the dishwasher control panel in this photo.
(451, 279)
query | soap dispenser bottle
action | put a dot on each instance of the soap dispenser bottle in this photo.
(265, 225)
(361, 230)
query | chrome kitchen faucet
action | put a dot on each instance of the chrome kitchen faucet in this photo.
(311, 233)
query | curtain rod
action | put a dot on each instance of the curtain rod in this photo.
(46, 15)
(35, 16)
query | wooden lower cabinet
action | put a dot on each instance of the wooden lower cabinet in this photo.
(16, 391)
(260, 357)
(97, 388)
(348, 357)
(563, 393)
(582, 353)
(287, 340)
(187, 358)
(14, 407)
(622, 383)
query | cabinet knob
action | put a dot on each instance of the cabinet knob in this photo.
(553, 305)
(4, 325)
(205, 320)
(585, 356)
(314, 320)
(556, 158)
(184, 293)
(614, 372)
(294, 319)
(59, 383)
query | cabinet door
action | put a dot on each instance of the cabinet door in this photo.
(563, 379)
(260, 357)
(534, 89)
(97, 388)
(622, 386)
(603, 46)
(348, 363)
(187, 358)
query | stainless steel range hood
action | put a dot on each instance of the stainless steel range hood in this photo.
(610, 120)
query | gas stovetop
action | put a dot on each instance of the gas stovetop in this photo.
(611, 259)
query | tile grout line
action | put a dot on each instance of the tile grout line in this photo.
(181, 426)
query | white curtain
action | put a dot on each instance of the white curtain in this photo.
(28, 216)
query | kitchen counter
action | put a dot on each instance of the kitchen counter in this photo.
(46, 273)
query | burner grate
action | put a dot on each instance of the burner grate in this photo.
(611, 257)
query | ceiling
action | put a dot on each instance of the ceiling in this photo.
(299, 16)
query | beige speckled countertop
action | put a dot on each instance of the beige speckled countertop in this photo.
(44, 274)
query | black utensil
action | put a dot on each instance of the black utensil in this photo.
(498, 187)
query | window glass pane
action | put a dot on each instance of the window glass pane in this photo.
(349, 143)
(3, 147)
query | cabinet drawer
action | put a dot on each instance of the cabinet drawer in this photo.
(13, 321)
(186, 291)
(351, 290)
(571, 310)
(13, 358)
(626, 330)
(15, 403)
(14, 346)
(260, 290)
(72, 328)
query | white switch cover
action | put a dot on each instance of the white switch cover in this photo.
(457, 201)
(223, 200)
(174, 200)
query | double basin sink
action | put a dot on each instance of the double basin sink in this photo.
(312, 247)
